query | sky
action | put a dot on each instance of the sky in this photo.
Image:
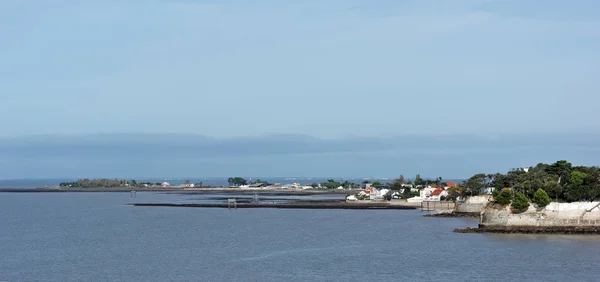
(222, 88)
(322, 68)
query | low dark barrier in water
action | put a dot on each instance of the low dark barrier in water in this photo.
(295, 205)
(532, 229)
(454, 214)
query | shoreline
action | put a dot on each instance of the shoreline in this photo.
(291, 205)
(211, 190)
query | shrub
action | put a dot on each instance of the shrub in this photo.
(495, 193)
(503, 198)
(520, 201)
(541, 198)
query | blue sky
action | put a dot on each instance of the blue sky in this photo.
(323, 68)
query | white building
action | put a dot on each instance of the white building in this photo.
(487, 190)
(437, 194)
(424, 193)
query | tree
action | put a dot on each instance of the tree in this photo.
(561, 168)
(577, 178)
(236, 181)
(396, 185)
(419, 180)
(438, 181)
(406, 192)
(474, 184)
(502, 198)
(520, 201)
(331, 184)
(401, 179)
(541, 198)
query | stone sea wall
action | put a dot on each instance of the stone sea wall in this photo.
(475, 204)
(554, 215)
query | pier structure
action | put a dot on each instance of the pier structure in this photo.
(231, 203)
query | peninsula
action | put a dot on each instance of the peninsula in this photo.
(546, 198)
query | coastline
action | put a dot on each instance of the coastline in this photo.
(291, 205)
(211, 190)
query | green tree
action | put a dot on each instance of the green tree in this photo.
(561, 168)
(418, 180)
(406, 192)
(397, 184)
(520, 201)
(577, 177)
(541, 198)
(331, 184)
(502, 198)
(474, 184)
(236, 181)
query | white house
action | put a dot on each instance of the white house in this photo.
(487, 190)
(187, 185)
(437, 194)
(424, 193)
(165, 184)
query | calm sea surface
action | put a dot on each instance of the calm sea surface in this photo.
(96, 237)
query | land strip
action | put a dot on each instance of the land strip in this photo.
(291, 205)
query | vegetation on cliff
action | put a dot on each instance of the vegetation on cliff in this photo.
(541, 198)
(503, 198)
(520, 201)
(561, 181)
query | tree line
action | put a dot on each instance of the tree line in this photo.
(103, 182)
(560, 180)
(113, 183)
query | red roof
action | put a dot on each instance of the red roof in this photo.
(437, 192)
(450, 184)
(505, 189)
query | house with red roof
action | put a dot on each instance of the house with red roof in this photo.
(437, 194)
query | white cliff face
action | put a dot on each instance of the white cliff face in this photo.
(474, 204)
(555, 214)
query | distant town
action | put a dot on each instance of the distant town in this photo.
(560, 180)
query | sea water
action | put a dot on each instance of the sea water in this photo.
(98, 237)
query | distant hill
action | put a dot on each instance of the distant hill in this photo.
(123, 155)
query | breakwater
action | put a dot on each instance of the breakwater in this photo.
(454, 214)
(592, 230)
(290, 205)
